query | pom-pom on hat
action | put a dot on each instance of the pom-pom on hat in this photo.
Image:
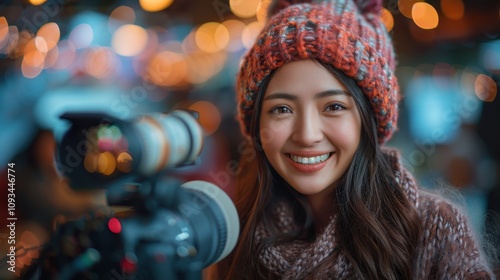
(347, 34)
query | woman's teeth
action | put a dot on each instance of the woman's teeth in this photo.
(310, 160)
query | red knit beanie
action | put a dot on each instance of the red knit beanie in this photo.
(347, 34)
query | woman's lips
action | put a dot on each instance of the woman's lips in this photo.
(309, 162)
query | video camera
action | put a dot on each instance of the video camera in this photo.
(175, 230)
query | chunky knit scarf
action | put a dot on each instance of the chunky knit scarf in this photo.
(447, 248)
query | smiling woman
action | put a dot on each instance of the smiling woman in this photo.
(315, 127)
(321, 197)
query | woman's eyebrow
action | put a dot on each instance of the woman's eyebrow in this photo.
(331, 92)
(292, 97)
(281, 95)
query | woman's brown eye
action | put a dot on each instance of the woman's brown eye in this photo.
(334, 107)
(281, 110)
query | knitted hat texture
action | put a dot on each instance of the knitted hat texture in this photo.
(346, 34)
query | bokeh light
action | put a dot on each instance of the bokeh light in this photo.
(485, 88)
(81, 36)
(90, 162)
(250, 33)
(37, 2)
(4, 31)
(51, 57)
(453, 9)
(387, 19)
(50, 33)
(262, 8)
(129, 40)
(9, 44)
(244, 8)
(167, 68)
(209, 116)
(425, 15)
(155, 5)
(406, 6)
(122, 14)
(101, 62)
(212, 37)
(34, 57)
(124, 162)
(106, 163)
(67, 53)
(235, 29)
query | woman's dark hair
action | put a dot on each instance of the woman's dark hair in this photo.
(378, 226)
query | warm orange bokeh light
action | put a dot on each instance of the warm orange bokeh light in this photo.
(101, 62)
(250, 33)
(106, 163)
(129, 40)
(210, 117)
(124, 162)
(405, 7)
(155, 5)
(425, 15)
(37, 2)
(453, 9)
(485, 88)
(50, 33)
(387, 19)
(244, 8)
(211, 37)
(4, 30)
(167, 69)
(235, 29)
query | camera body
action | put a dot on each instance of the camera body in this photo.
(174, 230)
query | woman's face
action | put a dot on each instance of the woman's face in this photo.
(309, 126)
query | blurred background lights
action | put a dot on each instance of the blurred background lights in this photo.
(37, 2)
(235, 29)
(250, 33)
(90, 162)
(66, 55)
(167, 69)
(209, 116)
(406, 6)
(490, 53)
(211, 37)
(453, 9)
(262, 10)
(81, 36)
(387, 19)
(129, 40)
(50, 33)
(101, 62)
(51, 57)
(106, 163)
(244, 8)
(114, 225)
(485, 88)
(34, 56)
(34, 52)
(121, 15)
(4, 31)
(424, 15)
(9, 43)
(155, 5)
(124, 162)
(41, 44)
(201, 67)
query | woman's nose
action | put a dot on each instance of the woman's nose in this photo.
(308, 129)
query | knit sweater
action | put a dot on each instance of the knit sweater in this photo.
(447, 248)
